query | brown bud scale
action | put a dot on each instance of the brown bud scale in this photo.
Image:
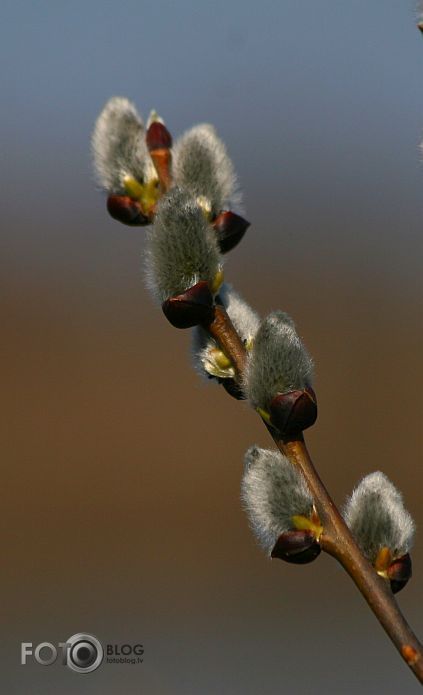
(230, 229)
(192, 307)
(298, 547)
(126, 210)
(294, 411)
(162, 159)
(399, 572)
(158, 137)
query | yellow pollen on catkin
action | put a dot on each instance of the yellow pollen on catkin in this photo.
(133, 187)
(147, 193)
(205, 205)
(217, 282)
(264, 414)
(383, 560)
(303, 523)
(221, 360)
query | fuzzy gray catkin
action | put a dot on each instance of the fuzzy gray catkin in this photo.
(202, 166)
(273, 491)
(205, 350)
(278, 362)
(181, 247)
(119, 148)
(377, 518)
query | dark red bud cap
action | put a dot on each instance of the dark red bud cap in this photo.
(399, 572)
(190, 308)
(299, 547)
(158, 137)
(294, 411)
(230, 229)
(126, 210)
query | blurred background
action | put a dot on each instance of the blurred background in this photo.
(120, 468)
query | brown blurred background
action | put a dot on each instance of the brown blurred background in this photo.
(121, 469)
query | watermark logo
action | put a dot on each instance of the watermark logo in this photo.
(82, 653)
(85, 653)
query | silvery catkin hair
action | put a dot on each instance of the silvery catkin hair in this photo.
(278, 361)
(202, 166)
(377, 518)
(181, 246)
(273, 491)
(118, 145)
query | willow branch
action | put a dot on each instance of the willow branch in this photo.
(336, 539)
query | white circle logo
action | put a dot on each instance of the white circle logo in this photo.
(85, 653)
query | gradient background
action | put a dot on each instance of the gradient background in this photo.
(120, 469)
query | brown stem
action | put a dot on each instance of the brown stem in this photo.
(338, 542)
(223, 331)
(336, 538)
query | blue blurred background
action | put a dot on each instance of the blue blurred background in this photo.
(122, 517)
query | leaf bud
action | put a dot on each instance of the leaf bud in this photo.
(158, 137)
